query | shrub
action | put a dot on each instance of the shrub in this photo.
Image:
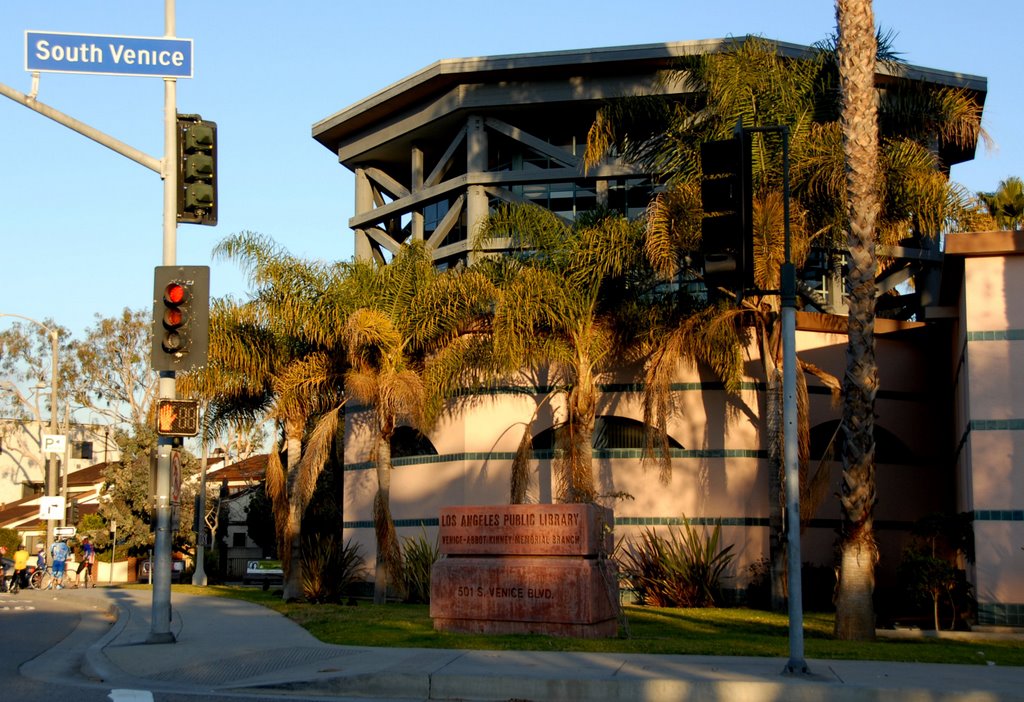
(683, 570)
(418, 556)
(330, 568)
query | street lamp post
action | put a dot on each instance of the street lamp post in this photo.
(796, 665)
(51, 473)
(113, 549)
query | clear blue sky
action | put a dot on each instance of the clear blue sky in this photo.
(81, 225)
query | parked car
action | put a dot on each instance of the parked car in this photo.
(146, 567)
(266, 573)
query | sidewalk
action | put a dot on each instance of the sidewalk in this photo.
(228, 645)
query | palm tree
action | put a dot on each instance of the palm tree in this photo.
(409, 334)
(859, 552)
(263, 353)
(562, 297)
(1006, 204)
(754, 84)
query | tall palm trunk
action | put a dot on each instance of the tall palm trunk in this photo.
(389, 554)
(293, 589)
(579, 483)
(856, 50)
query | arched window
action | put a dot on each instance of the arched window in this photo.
(610, 432)
(407, 441)
(889, 448)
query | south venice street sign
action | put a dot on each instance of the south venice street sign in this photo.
(109, 55)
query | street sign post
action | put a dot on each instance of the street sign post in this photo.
(54, 443)
(51, 507)
(58, 52)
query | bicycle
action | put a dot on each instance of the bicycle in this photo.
(43, 579)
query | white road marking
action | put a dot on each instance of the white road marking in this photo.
(130, 696)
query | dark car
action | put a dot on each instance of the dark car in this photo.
(145, 568)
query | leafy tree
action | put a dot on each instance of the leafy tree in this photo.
(125, 495)
(115, 378)
(10, 540)
(259, 520)
(26, 363)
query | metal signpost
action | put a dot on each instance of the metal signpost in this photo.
(169, 58)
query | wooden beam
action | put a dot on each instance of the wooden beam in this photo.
(446, 223)
(390, 185)
(527, 139)
(445, 162)
(380, 237)
(459, 183)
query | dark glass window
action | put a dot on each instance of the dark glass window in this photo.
(610, 432)
(827, 443)
(81, 449)
(407, 441)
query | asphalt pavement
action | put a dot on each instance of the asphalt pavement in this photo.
(229, 646)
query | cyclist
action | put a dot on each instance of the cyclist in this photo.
(20, 567)
(60, 552)
(88, 559)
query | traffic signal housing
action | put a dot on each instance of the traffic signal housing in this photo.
(197, 170)
(181, 317)
(727, 230)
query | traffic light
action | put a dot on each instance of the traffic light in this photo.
(181, 317)
(197, 170)
(177, 417)
(727, 230)
(74, 512)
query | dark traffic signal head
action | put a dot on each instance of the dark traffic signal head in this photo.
(726, 193)
(197, 170)
(181, 314)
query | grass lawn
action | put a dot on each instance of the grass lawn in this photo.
(714, 632)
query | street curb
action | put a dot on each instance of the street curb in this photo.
(95, 663)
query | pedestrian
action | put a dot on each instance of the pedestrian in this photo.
(21, 566)
(60, 552)
(88, 559)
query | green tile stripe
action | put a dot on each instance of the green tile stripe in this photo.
(999, 515)
(757, 386)
(997, 425)
(549, 454)
(996, 335)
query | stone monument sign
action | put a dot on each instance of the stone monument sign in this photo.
(540, 569)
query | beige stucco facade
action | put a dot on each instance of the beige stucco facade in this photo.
(988, 377)
(433, 152)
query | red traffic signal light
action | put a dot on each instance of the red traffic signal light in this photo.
(175, 297)
(181, 311)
